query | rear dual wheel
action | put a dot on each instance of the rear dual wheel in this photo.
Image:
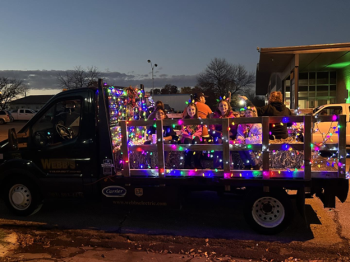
(268, 212)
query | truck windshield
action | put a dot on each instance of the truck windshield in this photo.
(317, 109)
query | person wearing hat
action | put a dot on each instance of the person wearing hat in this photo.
(203, 110)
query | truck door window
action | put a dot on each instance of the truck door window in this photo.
(331, 110)
(59, 123)
(21, 111)
(28, 112)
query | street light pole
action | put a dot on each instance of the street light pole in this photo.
(152, 66)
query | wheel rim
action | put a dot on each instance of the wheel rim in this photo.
(20, 197)
(268, 212)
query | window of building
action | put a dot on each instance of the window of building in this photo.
(315, 89)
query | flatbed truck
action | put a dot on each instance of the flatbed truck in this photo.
(65, 150)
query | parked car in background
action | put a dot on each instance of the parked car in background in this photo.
(23, 114)
(5, 117)
(323, 129)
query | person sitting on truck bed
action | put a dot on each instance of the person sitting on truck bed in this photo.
(168, 132)
(275, 107)
(203, 111)
(249, 134)
(158, 104)
(224, 111)
(192, 134)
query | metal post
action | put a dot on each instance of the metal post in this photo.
(341, 145)
(152, 66)
(225, 144)
(307, 147)
(160, 148)
(265, 147)
(104, 135)
(124, 148)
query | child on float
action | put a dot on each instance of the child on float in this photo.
(169, 135)
(249, 134)
(191, 134)
(158, 104)
(224, 110)
(168, 132)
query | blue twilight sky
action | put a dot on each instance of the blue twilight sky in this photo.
(40, 38)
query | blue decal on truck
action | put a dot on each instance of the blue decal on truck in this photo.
(114, 191)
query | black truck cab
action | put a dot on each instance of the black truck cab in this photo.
(55, 152)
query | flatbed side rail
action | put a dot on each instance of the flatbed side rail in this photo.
(304, 173)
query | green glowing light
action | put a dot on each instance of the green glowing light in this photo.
(249, 146)
(339, 65)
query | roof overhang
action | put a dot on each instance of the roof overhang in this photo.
(311, 58)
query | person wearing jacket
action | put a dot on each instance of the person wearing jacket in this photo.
(168, 132)
(275, 107)
(203, 111)
(249, 134)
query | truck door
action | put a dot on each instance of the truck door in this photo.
(60, 152)
(28, 114)
(326, 131)
(21, 114)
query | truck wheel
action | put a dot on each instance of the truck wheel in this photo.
(268, 213)
(22, 197)
(2, 121)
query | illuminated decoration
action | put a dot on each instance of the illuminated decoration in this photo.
(126, 104)
(339, 65)
(346, 73)
(129, 104)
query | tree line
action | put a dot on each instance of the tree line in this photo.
(218, 79)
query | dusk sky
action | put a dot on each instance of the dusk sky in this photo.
(40, 38)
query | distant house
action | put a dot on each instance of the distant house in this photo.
(31, 102)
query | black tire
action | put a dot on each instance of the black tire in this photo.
(22, 197)
(2, 121)
(268, 213)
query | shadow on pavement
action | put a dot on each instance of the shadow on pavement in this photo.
(202, 216)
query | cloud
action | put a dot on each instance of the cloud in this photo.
(47, 79)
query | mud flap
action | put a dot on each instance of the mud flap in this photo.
(342, 190)
(328, 194)
(333, 188)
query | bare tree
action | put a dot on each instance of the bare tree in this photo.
(222, 77)
(79, 77)
(9, 89)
